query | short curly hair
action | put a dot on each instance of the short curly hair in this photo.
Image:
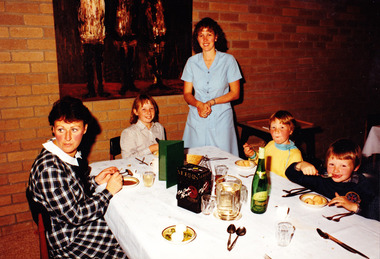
(69, 109)
(221, 42)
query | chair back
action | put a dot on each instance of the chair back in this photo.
(115, 148)
(41, 218)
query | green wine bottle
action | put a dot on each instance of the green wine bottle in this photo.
(259, 199)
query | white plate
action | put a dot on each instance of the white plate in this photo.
(239, 165)
(311, 196)
(130, 181)
(189, 235)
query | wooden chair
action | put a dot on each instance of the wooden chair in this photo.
(115, 148)
(41, 218)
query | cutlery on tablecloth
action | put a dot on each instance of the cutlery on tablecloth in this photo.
(337, 217)
(347, 247)
(295, 192)
(214, 158)
(241, 231)
(141, 161)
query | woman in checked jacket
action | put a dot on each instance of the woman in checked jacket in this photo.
(59, 182)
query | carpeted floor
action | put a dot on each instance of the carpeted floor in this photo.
(20, 245)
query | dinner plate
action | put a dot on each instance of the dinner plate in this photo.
(313, 200)
(245, 164)
(188, 235)
(130, 181)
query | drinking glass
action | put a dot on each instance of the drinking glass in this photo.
(228, 197)
(284, 233)
(207, 203)
(220, 170)
(148, 178)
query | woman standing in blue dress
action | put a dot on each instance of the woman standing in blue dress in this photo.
(211, 81)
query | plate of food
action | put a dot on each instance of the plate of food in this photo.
(313, 200)
(129, 181)
(179, 234)
(245, 164)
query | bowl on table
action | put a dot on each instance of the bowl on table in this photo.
(313, 200)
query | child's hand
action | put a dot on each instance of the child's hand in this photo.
(248, 150)
(342, 201)
(306, 168)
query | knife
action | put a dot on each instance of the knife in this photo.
(296, 193)
(349, 248)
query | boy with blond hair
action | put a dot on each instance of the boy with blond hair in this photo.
(281, 151)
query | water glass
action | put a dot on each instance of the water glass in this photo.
(284, 233)
(207, 204)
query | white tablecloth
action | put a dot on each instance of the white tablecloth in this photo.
(137, 215)
(372, 144)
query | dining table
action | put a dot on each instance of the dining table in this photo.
(137, 216)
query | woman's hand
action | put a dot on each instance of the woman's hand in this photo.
(342, 201)
(248, 150)
(115, 183)
(204, 109)
(105, 175)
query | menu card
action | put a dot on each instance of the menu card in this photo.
(171, 156)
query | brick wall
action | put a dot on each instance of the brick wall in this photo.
(313, 58)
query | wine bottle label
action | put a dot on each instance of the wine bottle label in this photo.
(260, 196)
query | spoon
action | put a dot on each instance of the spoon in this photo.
(231, 229)
(240, 232)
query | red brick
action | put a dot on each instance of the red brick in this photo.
(9, 124)
(290, 12)
(20, 32)
(9, 146)
(23, 155)
(45, 67)
(22, 7)
(11, 19)
(7, 220)
(6, 80)
(16, 68)
(17, 178)
(43, 44)
(32, 101)
(229, 17)
(12, 44)
(219, 6)
(17, 113)
(5, 200)
(42, 20)
(26, 79)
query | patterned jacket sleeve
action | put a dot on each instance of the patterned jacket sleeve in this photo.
(64, 195)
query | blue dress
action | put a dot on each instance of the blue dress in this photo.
(218, 128)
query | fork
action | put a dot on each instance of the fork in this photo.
(337, 217)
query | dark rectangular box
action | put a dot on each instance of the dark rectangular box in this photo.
(193, 182)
